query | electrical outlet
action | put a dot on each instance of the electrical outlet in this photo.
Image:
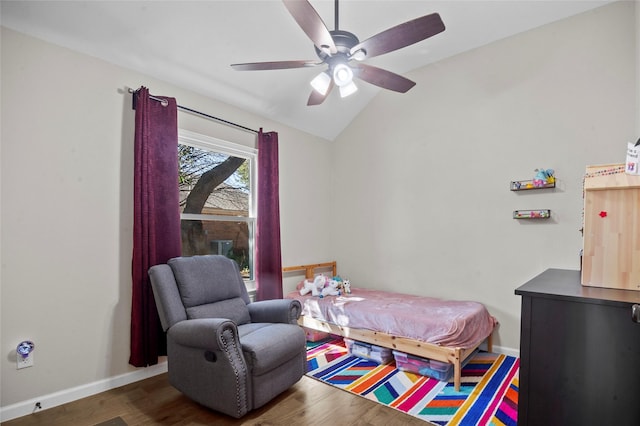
(25, 362)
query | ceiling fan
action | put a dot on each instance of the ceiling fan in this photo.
(338, 49)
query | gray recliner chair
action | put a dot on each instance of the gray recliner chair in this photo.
(225, 352)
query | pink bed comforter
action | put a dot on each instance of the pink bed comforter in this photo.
(442, 322)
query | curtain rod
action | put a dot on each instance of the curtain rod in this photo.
(164, 102)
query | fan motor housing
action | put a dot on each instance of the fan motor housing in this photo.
(344, 41)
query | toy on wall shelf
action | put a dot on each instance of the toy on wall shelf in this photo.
(544, 178)
(532, 214)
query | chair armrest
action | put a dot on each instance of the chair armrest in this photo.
(276, 310)
(207, 333)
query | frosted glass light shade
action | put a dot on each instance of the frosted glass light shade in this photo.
(321, 82)
(342, 75)
(348, 89)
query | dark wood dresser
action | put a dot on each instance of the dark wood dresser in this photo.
(579, 353)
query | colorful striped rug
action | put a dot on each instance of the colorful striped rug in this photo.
(488, 393)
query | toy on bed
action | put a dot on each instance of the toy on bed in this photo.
(330, 289)
(314, 286)
(322, 286)
(344, 286)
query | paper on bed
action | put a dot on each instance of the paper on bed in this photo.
(442, 322)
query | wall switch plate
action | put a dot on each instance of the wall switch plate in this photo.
(25, 362)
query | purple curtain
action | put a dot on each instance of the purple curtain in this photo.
(156, 226)
(268, 262)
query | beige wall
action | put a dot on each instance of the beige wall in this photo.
(67, 161)
(428, 207)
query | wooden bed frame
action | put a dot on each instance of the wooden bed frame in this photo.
(451, 355)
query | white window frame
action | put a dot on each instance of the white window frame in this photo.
(209, 143)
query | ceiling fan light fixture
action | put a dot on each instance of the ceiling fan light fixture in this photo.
(359, 55)
(335, 49)
(342, 75)
(348, 89)
(321, 82)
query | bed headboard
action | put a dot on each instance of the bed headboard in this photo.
(309, 270)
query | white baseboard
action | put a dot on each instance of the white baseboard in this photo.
(27, 407)
(506, 351)
(502, 350)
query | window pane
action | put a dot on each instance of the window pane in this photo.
(216, 185)
(213, 182)
(228, 238)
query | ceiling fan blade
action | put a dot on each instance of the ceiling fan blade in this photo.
(278, 65)
(401, 35)
(316, 98)
(383, 78)
(311, 23)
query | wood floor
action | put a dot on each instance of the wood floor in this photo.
(154, 402)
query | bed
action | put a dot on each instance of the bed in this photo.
(443, 330)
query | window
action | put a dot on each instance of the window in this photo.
(217, 198)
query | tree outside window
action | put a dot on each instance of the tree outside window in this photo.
(216, 199)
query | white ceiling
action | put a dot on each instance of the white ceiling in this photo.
(192, 43)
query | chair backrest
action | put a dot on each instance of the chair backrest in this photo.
(208, 286)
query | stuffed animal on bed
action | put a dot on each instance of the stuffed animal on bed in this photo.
(346, 286)
(321, 286)
(331, 289)
(314, 287)
(306, 287)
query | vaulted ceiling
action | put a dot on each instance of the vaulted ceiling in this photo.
(192, 43)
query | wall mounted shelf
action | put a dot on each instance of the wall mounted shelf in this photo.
(532, 214)
(526, 185)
